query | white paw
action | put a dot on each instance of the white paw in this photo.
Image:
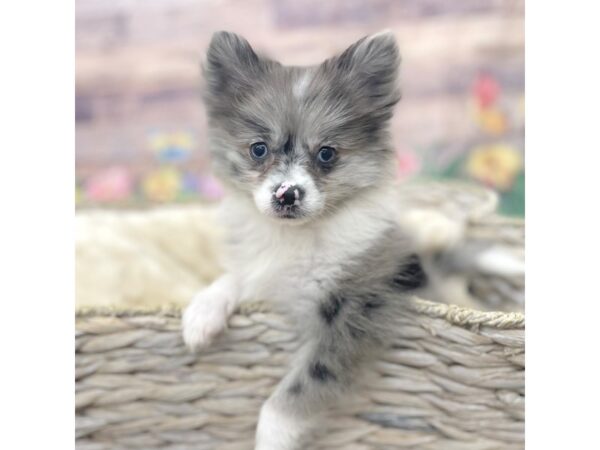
(207, 314)
(431, 230)
(278, 431)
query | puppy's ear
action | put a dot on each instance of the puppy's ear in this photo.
(231, 64)
(370, 68)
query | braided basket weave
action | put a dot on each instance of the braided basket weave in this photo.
(452, 378)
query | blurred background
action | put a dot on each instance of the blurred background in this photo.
(140, 124)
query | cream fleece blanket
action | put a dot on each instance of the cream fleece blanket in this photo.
(162, 257)
(145, 258)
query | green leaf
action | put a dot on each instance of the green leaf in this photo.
(512, 203)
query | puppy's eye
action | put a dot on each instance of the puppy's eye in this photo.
(326, 155)
(259, 151)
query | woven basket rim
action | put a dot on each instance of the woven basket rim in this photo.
(455, 315)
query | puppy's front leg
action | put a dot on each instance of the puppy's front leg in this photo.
(324, 369)
(207, 314)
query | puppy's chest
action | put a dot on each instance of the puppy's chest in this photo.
(288, 267)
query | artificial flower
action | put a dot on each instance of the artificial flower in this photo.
(209, 187)
(492, 121)
(171, 147)
(486, 90)
(109, 185)
(162, 185)
(495, 165)
(408, 164)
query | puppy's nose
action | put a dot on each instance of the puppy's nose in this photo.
(288, 194)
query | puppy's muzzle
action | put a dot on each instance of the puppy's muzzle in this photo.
(288, 194)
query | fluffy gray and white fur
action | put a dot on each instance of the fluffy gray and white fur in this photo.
(306, 160)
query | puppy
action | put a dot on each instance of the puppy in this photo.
(305, 156)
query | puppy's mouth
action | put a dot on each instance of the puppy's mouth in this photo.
(287, 212)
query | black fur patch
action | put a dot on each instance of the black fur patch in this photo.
(411, 275)
(320, 372)
(331, 307)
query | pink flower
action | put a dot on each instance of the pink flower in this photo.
(486, 90)
(210, 188)
(408, 164)
(110, 185)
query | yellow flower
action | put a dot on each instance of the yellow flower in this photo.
(180, 139)
(78, 196)
(163, 185)
(495, 165)
(492, 121)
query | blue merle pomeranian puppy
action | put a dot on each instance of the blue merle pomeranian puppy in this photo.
(306, 159)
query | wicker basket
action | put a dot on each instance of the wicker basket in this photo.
(453, 378)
